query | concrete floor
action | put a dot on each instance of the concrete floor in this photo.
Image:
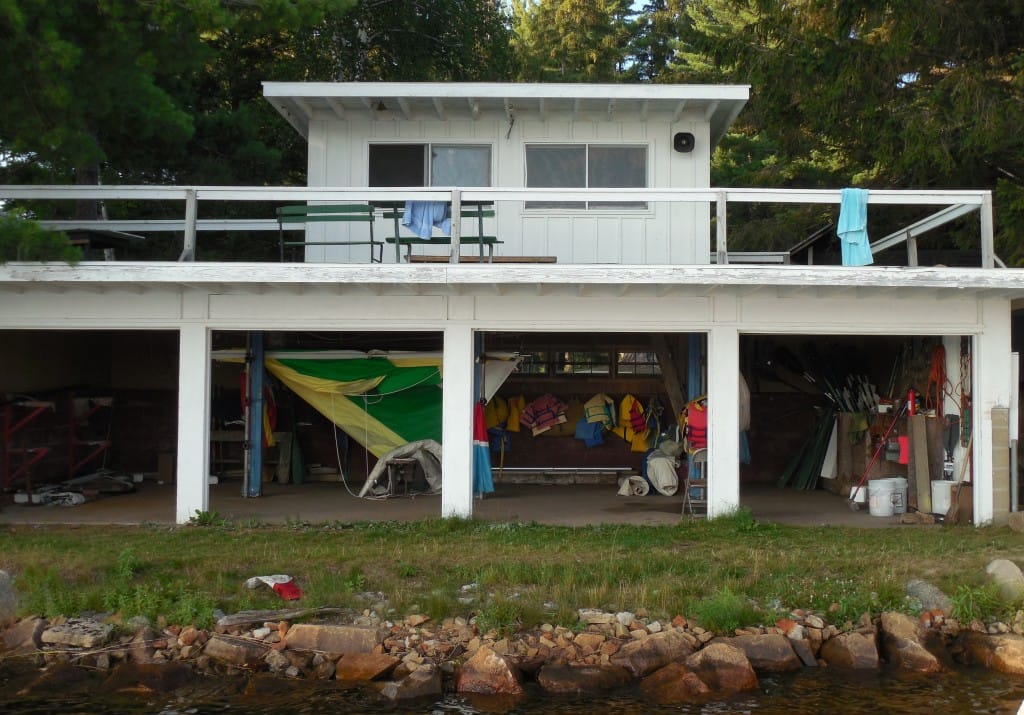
(569, 505)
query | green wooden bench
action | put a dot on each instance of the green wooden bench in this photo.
(478, 211)
(307, 213)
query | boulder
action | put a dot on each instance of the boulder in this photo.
(364, 666)
(724, 668)
(62, 678)
(674, 684)
(8, 600)
(1003, 652)
(424, 682)
(929, 596)
(562, 679)
(768, 653)
(25, 635)
(1008, 578)
(642, 657)
(334, 638)
(850, 651)
(78, 633)
(488, 673)
(903, 645)
(148, 678)
(235, 651)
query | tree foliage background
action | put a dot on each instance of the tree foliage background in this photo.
(915, 94)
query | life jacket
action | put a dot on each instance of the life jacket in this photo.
(695, 417)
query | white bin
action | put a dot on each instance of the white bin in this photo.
(887, 497)
(942, 495)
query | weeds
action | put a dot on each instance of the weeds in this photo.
(721, 572)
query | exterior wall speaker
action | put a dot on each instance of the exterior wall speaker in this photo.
(683, 142)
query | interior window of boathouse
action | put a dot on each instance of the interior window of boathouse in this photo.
(575, 166)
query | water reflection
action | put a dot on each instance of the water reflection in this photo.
(809, 692)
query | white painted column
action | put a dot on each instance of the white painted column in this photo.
(192, 479)
(990, 388)
(457, 423)
(723, 421)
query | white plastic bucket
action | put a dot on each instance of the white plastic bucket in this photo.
(942, 495)
(899, 495)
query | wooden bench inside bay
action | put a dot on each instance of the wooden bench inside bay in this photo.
(475, 211)
(317, 213)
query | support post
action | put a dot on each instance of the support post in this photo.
(188, 251)
(253, 486)
(723, 421)
(456, 226)
(457, 423)
(193, 458)
(721, 240)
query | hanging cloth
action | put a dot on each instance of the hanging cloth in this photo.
(853, 228)
(935, 390)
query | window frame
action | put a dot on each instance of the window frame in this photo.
(427, 147)
(587, 206)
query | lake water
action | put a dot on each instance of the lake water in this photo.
(810, 692)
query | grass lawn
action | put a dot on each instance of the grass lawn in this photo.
(723, 573)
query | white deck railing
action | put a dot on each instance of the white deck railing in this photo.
(953, 205)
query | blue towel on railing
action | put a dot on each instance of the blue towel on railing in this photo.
(422, 216)
(853, 228)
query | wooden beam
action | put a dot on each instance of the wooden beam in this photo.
(669, 373)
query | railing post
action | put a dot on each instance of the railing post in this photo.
(988, 243)
(911, 250)
(456, 225)
(721, 243)
(188, 252)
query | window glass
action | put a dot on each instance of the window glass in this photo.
(585, 166)
(617, 167)
(637, 363)
(535, 363)
(555, 166)
(398, 165)
(455, 165)
(583, 363)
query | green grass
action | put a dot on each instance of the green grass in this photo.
(724, 573)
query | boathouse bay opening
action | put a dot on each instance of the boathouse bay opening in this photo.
(569, 419)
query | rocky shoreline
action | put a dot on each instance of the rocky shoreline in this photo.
(668, 663)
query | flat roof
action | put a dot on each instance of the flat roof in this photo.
(303, 102)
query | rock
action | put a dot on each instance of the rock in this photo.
(364, 666)
(850, 651)
(334, 639)
(673, 684)
(25, 635)
(148, 678)
(234, 651)
(641, 657)
(770, 653)
(591, 641)
(8, 600)
(1003, 653)
(1008, 577)
(724, 668)
(141, 647)
(594, 616)
(78, 633)
(561, 679)
(276, 661)
(488, 673)
(930, 597)
(803, 651)
(62, 678)
(1016, 521)
(189, 635)
(424, 682)
(903, 644)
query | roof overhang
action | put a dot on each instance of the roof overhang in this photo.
(304, 102)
